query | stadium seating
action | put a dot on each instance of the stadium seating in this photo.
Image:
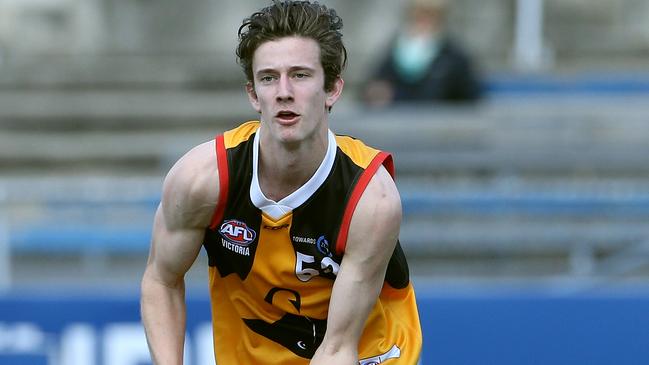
(548, 185)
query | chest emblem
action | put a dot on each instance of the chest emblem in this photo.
(237, 232)
(300, 334)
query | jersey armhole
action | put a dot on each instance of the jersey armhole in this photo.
(222, 164)
(381, 159)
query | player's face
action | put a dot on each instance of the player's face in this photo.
(289, 90)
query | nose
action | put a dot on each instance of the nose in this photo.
(284, 89)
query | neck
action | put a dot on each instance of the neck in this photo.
(284, 169)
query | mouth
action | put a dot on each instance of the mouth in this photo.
(287, 116)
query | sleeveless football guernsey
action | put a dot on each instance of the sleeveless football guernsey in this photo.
(272, 265)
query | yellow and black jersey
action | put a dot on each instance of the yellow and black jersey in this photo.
(273, 264)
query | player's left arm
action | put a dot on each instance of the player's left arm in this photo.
(371, 241)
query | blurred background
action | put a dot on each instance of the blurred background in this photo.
(526, 206)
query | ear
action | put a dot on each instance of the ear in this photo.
(334, 93)
(252, 96)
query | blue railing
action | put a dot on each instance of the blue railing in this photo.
(78, 226)
(607, 84)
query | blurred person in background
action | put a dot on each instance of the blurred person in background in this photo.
(423, 63)
(300, 225)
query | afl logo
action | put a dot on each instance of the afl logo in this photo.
(237, 232)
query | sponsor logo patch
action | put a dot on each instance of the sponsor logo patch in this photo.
(323, 246)
(307, 240)
(237, 232)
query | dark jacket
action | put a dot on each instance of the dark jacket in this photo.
(450, 77)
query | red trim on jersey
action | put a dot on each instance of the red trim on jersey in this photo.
(382, 158)
(224, 178)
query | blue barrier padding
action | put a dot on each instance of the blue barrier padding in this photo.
(53, 311)
(468, 327)
(608, 84)
(535, 330)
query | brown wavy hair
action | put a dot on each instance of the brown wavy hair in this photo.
(295, 18)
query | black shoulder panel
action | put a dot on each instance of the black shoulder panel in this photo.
(231, 245)
(398, 275)
(316, 222)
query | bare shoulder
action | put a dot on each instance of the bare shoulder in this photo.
(377, 217)
(380, 200)
(191, 188)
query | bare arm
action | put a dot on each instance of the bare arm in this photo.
(372, 238)
(189, 196)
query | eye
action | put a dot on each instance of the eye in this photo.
(301, 75)
(267, 78)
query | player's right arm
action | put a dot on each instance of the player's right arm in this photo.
(189, 196)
